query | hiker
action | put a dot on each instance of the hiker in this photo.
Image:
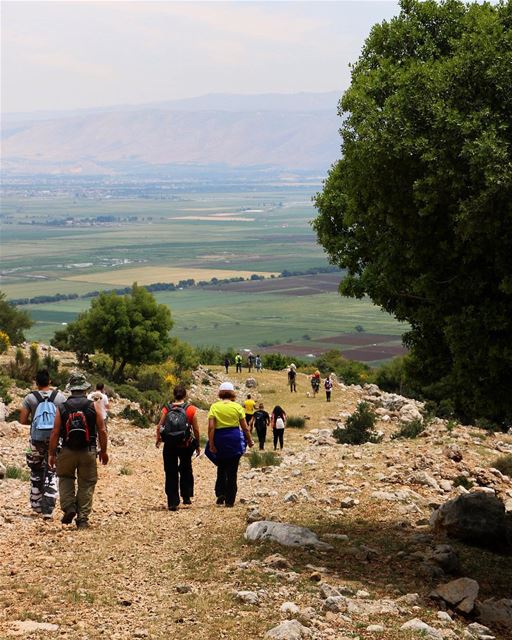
(101, 403)
(249, 404)
(250, 361)
(328, 388)
(179, 431)
(228, 436)
(79, 427)
(260, 422)
(315, 382)
(278, 423)
(226, 364)
(238, 363)
(258, 364)
(292, 378)
(38, 409)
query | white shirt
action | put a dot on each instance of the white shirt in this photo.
(101, 403)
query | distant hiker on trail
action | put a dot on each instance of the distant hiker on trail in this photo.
(79, 427)
(179, 431)
(315, 382)
(328, 388)
(260, 422)
(292, 378)
(226, 364)
(228, 435)
(101, 403)
(258, 363)
(249, 405)
(238, 363)
(38, 409)
(251, 361)
(278, 423)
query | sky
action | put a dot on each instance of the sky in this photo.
(66, 55)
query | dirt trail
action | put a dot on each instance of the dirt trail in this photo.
(124, 576)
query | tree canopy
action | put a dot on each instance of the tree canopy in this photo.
(13, 321)
(131, 329)
(418, 209)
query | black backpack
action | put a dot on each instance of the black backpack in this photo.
(76, 432)
(176, 429)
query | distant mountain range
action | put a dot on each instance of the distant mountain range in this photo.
(280, 131)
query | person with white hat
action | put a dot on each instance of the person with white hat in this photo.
(228, 436)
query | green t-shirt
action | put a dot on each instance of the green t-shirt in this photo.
(226, 413)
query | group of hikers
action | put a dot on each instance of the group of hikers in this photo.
(253, 362)
(315, 380)
(68, 434)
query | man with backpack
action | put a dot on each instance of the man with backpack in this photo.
(79, 427)
(292, 378)
(179, 431)
(238, 363)
(38, 409)
(260, 422)
(328, 388)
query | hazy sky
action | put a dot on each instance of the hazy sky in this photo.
(65, 54)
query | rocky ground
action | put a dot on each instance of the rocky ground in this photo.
(365, 568)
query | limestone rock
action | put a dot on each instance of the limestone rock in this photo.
(289, 609)
(289, 535)
(453, 452)
(477, 631)
(495, 612)
(445, 557)
(289, 630)
(277, 561)
(409, 412)
(423, 629)
(476, 518)
(460, 593)
(21, 628)
(251, 383)
(291, 497)
(248, 597)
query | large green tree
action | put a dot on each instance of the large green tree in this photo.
(418, 209)
(132, 329)
(13, 321)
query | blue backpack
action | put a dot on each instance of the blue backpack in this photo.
(44, 416)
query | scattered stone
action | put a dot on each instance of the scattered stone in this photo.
(453, 452)
(184, 588)
(289, 609)
(409, 412)
(289, 630)
(248, 597)
(475, 518)
(336, 604)
(253, 515)
(444, 617)
(446, 558)
(423, 628)
(251, 383)
(22, 627)
(477, 631)
(495, 612)
(375, 628)
(342, 537)
(460, 593)
(367, 608)
(277, 561)
(289, 535)
(291, 497)
(348, 503)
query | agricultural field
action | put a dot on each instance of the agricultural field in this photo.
(63, 243)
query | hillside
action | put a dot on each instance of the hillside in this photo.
(143, 572)
(296, 131)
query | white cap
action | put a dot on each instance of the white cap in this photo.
(226, 386)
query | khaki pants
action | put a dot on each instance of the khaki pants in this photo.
(79, 464)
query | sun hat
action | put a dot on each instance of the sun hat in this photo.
(78, 382)
(226, 386)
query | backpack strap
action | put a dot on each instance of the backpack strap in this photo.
(38, 396)
(53, 395)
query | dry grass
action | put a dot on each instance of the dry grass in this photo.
(149, 275)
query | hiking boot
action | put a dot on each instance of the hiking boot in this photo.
(82, 524)
(221, 500)
(229, 504)
(187, 501)
(47, 516)
(68, 517)
(173, 507)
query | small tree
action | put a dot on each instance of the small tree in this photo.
(13, 321)
(358, 427)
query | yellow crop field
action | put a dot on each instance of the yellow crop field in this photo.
(149, 275)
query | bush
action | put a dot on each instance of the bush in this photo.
(130, 393)
(102, 364)
(5, 343)
(14, 416)
(5, 385)
(137, 418)
(410, 429)
(462, 481)
(504, 464)
(359, 427)
(275, 361)
(263, 459)
(348, 371)
(125, 470)
(16, 473)
(296, 422)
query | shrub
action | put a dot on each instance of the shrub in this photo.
(130, 393)
(348, 371)
(5, 343)
(125, 471)
(200, 404)
(275, 361)
(504, 464)
(5, 385)
(462, 481)
(410, 429)
(391, 376)
(359, 427)
(296, 422)
(102, 364)
(14, 416)
(137, 418)
(263, 459)
(16, 473)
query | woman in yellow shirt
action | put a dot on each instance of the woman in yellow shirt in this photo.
(228, 436)
(249, 406)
